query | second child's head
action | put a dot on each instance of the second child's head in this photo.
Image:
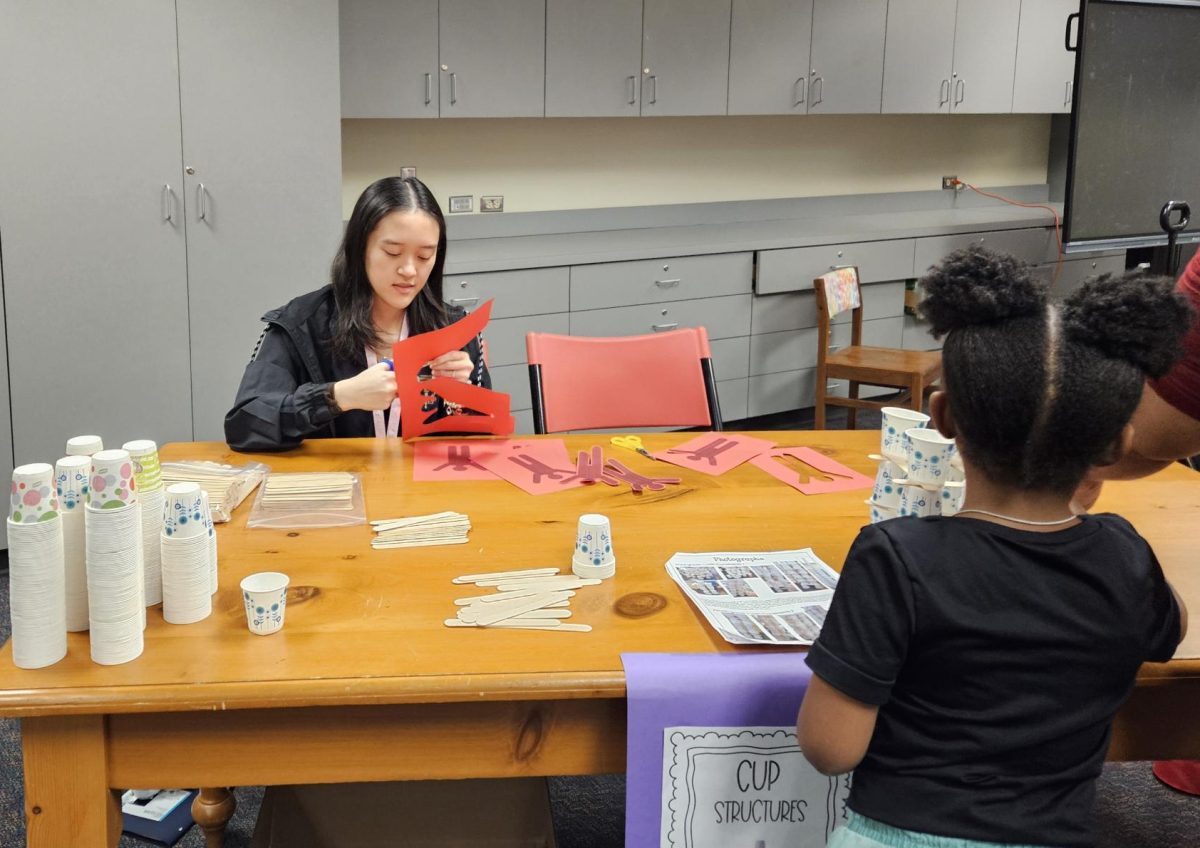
(1037, 393)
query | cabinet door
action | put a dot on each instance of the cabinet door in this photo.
(768, 57)
(389, 58)
(94, 264)
(846, 73)
(1045, 72)
(685, 57)
(919, 56)
(985, 55)
(593, 58)
(493, 55)
(264, 204)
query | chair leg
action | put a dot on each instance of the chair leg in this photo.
(852, 415)
(917, 390)
(819, 401)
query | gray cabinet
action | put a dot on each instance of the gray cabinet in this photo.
(685, 57)
(493, 58)
(1045, 72)
(593, 58)
(92, 222)
(264, 202)
(950, 55)
(768, 57)
(846, 61)
(389, 58)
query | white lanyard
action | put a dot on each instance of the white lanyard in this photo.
(392, 427)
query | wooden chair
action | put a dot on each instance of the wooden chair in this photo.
(592, 383)
(913, 371)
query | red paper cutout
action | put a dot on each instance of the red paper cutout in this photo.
(715, 453)
(844, 479)
(590, 468)
(414, 353)
(637, 481)
(443, 461)
(538, 466)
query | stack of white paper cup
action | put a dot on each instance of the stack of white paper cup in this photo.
(147, 474)
(72, 476)
(896, 421)
(84, 445)
(594, 555)
(187, 570)
(211, 533)
(36, 574)
(116, 610)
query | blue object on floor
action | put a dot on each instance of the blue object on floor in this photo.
(169, 830)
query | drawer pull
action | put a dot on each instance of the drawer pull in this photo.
(668, 284)
(469, 300)
(658, 328)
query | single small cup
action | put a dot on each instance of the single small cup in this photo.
(897, 419)
(886, 492)
(593, 544)
(951, 499)
(72, 481)
(183, 511)
(880, 512)
(113, 486)
(84, 445)
(917, 502)
(956, 474)
(146, 468)
(265, 597)
(929, 455)
(33, 498)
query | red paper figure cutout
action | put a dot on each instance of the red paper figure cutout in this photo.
(715, 454)
(440, 461)
(843, 480)
(412, 354)
(637, 481)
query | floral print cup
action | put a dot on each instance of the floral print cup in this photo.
(183, 511)
(265, 598)
(929, 454)
(72, 481)
(33, 498)
(897, 419)
(146, 468)
(112, 486)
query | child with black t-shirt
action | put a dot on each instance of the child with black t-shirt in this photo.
(970, 667)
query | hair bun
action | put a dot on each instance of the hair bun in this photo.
(1136, 317)
(978, 286)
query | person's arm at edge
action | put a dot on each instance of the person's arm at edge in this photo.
(833, 729)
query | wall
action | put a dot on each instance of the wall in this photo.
(566, 163)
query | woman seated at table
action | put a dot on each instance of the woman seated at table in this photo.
(319, 368)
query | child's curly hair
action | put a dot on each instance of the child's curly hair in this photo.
(1041, 392)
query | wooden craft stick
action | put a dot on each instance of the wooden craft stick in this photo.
(507, 596)
(527, 624)
(501, 575)
(500, 611)
(565, 582)
(542, 613)
(418, 543)
(415, 519)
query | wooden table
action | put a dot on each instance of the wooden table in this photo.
(364, 683)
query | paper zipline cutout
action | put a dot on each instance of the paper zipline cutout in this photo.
(843, 480)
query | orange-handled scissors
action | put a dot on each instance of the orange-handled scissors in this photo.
(633, 443)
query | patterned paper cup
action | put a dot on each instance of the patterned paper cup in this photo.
(146, 468)
(897, 419)
(929, 454)
(265, 597)
(879, 512)
(886, 492)
(917, 502)
(113, 485)
(593, 541)
(72, 481)
(84, 445)
(183, 511)
(33, 499)
(952, 496)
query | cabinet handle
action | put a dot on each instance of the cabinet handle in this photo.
(658, 328)
(470, 300)
(428, 89)
(818, 93)
(201, 203)
(168, 204)
(668, 284)
(653, 88)
(832, 387)
(632, 80)
(453, 89)
(1067, 98)
(1071, 18)
(960, 92)
(798, 91)
(944, 93)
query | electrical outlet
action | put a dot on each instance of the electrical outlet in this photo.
(408, 172)
(952, 183)
(462, 202)
(491, 203)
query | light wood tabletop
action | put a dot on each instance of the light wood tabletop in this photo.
(365, 683)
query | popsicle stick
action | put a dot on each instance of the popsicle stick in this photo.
(500, 611)
(417, 544)
(414, 519)
(527, 624)
(542, 613)
(501, 575)
(564, 582)
(503, 596)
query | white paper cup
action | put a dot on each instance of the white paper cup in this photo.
(146, 468)
(951, 498)
(32, 497)
(113, 486)
(880, 512)
(83, 445)
(593, 544)
(265, 597)
(929, 454)
(183, 511)
(886, 492)
(897, 419)
(72, 480)
(917, 502)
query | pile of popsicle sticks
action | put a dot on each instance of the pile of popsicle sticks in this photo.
(331, 490)
(529, 599)
(415, 531)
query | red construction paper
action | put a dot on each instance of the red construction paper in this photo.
(415, 352)
(442, 461)
(637, 481)
(538, 466)
(590, 467)
(844, 479)
(715, 453)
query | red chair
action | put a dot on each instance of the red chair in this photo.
(656, 380)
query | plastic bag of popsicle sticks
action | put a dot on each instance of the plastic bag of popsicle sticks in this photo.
(309, 499)
(227, 485)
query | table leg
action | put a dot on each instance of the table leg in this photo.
(212, 810)
(67, 797)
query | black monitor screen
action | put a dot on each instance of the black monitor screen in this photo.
(1135, 141)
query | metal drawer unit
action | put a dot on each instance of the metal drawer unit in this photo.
(794, 269)
(798, 310)
(1027, 245)
(1075, 272)
(506, 337)
(731, 357)
(533, 292)
(615, 284)
(722, 317)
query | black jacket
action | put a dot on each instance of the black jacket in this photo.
(282, 399)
